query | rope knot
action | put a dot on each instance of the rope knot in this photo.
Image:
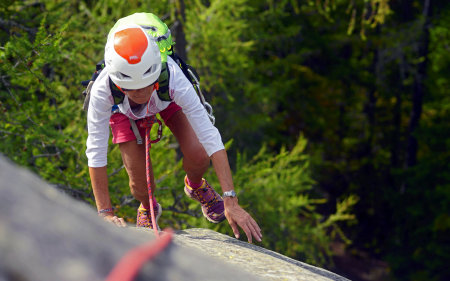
(147, 123)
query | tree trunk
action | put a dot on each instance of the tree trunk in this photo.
(397, 121)
(372, 99)
(180, 40)
(180, 37)
(419, 87)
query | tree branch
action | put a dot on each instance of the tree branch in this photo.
(7, 24)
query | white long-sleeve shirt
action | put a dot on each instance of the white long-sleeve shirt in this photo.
(180, 91)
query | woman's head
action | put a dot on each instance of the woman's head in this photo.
(132, 58)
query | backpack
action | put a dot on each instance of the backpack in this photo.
(159, 30)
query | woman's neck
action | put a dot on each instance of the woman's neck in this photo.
(133, 104)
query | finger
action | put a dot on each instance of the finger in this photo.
(122, 222)
(116, 221)
(253, 231)
(235, 230)
(257, 229)
(254, 228)
(248, 232)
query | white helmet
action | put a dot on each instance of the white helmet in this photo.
(132, 57)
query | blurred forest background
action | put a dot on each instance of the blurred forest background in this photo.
(335, 114)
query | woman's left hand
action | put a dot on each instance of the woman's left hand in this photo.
(237, 216)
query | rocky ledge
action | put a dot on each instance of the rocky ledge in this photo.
(262, 263)
(46, 235)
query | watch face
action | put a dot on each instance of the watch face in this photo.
(230, 193)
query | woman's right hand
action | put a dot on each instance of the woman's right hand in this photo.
(115, 220)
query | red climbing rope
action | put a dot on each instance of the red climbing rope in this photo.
(128, 267)
(148, 123)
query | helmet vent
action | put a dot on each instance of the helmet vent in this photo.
(124, 75)
(149, 70)
(152, 28)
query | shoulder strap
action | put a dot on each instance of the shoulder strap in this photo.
(164, 77)
(184, 67)
(88, 84)
(192, 76)
(116, 93)
(163, 80)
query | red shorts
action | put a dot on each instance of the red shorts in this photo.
(121, 127)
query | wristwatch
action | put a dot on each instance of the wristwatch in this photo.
(230, 193)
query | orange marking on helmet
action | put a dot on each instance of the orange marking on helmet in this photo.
(130, 44)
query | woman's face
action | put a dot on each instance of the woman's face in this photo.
(140, 96)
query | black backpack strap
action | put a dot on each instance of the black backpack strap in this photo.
(185, 67)
(192, 76)
(100, 65)
(116, 93)
(98, 68)
(88, 83)
(163, 81)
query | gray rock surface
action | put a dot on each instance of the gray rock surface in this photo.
(263, 263)
(46, 235)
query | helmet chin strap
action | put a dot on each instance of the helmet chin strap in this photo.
(120, 89)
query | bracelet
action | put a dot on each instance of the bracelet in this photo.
(109, 210)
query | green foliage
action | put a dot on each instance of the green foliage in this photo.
(273, 70)
(39, 126)
(362, 14)
(277, 189)
(44, 126)
(427, 185)
(217, 31)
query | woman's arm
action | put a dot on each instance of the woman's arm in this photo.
(234, 213)
(99, 181)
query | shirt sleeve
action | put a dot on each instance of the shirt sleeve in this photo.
(98, 116)
(184, 95)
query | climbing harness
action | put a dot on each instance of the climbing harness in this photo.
(135, 130)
